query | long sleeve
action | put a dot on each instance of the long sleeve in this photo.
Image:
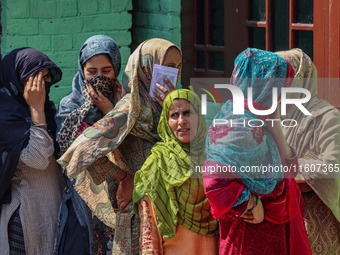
(39, 150)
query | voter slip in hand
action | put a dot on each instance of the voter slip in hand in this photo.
(158, 75)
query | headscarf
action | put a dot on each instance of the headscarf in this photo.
(15, 117)
(245, 145)
(166, 179)
(317, 137)
(78, 106)
(240, 146)
(135, 114)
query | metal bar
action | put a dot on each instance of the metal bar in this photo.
(206, 31)
(300, 26)
(209, 48)
(269, 25)
(254, 23)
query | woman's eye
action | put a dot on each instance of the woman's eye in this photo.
(187, 113)
(174, 115)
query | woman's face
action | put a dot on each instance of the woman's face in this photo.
(173, 59)
(46, 75)
(183, 120)
(99, 65)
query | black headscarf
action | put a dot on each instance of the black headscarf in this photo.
(15, 116)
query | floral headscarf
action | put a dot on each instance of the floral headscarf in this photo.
(244, 146)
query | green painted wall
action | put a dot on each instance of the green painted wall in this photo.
(60, 27)
(156, 18)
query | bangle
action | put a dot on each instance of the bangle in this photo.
(39, 125)
(124, 177)
(255, 204)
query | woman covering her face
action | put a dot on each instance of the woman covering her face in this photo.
(95, 90)
(317, 142)
(107, 154)
(30, 178)
(175, 213)
(257, 211)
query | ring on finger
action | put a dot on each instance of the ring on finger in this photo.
(95, 97)
(34, 84)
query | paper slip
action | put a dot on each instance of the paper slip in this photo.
(158, 75)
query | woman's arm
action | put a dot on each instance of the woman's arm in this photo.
(150, 238)
(103, 169)
(38, 152)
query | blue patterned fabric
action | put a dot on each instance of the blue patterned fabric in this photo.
(240, 146)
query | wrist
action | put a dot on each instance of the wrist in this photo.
(38, 115)
(255, 202)
(37, 109)
(124, 177)
(107, 111)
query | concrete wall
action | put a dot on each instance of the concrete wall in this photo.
(60, 27)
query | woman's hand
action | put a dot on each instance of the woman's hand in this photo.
(257, 214)
(159, 97)
(35, 96)
(124, 192)
(99, 100)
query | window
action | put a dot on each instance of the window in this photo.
(215, 32)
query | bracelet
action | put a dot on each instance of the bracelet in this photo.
(255, 204)
(124, 177)
(39, 125)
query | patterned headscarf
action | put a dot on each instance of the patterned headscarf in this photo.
(15, 117)
(242, 146)
(77, 107)
(135, 114)
(317, 137)
(166, 177)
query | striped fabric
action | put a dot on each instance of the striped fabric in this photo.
(166, 177)
(36, 189)
(15, 235)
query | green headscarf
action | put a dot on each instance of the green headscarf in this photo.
(167, 180)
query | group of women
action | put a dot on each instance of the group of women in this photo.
(126, 184)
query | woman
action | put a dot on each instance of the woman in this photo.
(258, 212)
(317, 142)
(175, 214)
(95, 90)
(116, 146)
(31, 180)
